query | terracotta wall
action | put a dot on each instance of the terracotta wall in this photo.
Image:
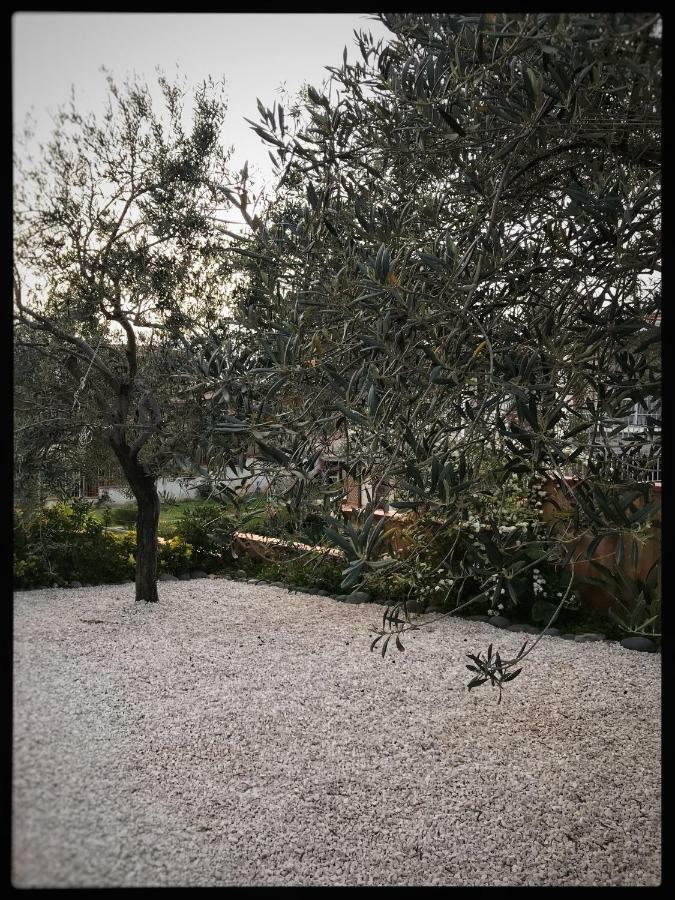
(353, 491)
(605, 553)
(592, 596)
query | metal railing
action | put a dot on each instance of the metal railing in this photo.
(618, 466)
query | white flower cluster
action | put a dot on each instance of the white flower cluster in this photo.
(444, 584)
(509, 529)
(425, 578)
(421, 571)
(538, 582)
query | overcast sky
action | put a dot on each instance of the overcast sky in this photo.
(256, 53)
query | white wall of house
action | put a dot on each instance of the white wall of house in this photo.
(115, 494)
(178, 489)
(186, 488)
(182, 489)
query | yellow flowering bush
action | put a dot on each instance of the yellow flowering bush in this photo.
(174, 556)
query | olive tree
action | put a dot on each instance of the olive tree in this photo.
(118, 272)
(460, 276)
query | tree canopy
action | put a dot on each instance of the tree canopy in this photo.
(459, 277)
(120, 267)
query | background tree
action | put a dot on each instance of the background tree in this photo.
(119, 271)
(461, 274)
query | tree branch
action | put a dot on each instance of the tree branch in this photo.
(42, 323)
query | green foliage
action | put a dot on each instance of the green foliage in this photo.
(391, 588)
(123, 515)
(493, 669)
(637, 600)
(209, 530)
(119, 270)
(64, 544)
(68, 543)
(361, 539)
(312, 570)
(175, 557)
(471, 308)
(544, 590)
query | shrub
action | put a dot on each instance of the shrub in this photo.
(637, 599)
(64, 544)
(209, 531)
(315, 571)
(432, 568)
(204, 490)
(30, 572)
(123, 515)
(67, 543)
(174, 556)
(393, 589)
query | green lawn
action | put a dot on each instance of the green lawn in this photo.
(169, 513)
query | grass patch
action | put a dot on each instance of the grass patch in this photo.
(169, 513)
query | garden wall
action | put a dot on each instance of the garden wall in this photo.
(605, 553)
(591, 596)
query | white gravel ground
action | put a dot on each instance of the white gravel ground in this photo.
(236, 734)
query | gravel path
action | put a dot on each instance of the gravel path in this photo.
(237, 734)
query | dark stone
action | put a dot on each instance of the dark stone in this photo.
(75, 584)
(347, 598)
(199, 573)
(320, 592)
(415, 606)
(589, 638)
(357, 597)
(527, 629)
(500, 621)
(185, 576)
(482, 618)
(435, 609)
(553, 632)
(567, 637)
(639, 643)
(278, 584)
(166, 577)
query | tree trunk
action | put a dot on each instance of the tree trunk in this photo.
(144, 488)
(146, 541)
